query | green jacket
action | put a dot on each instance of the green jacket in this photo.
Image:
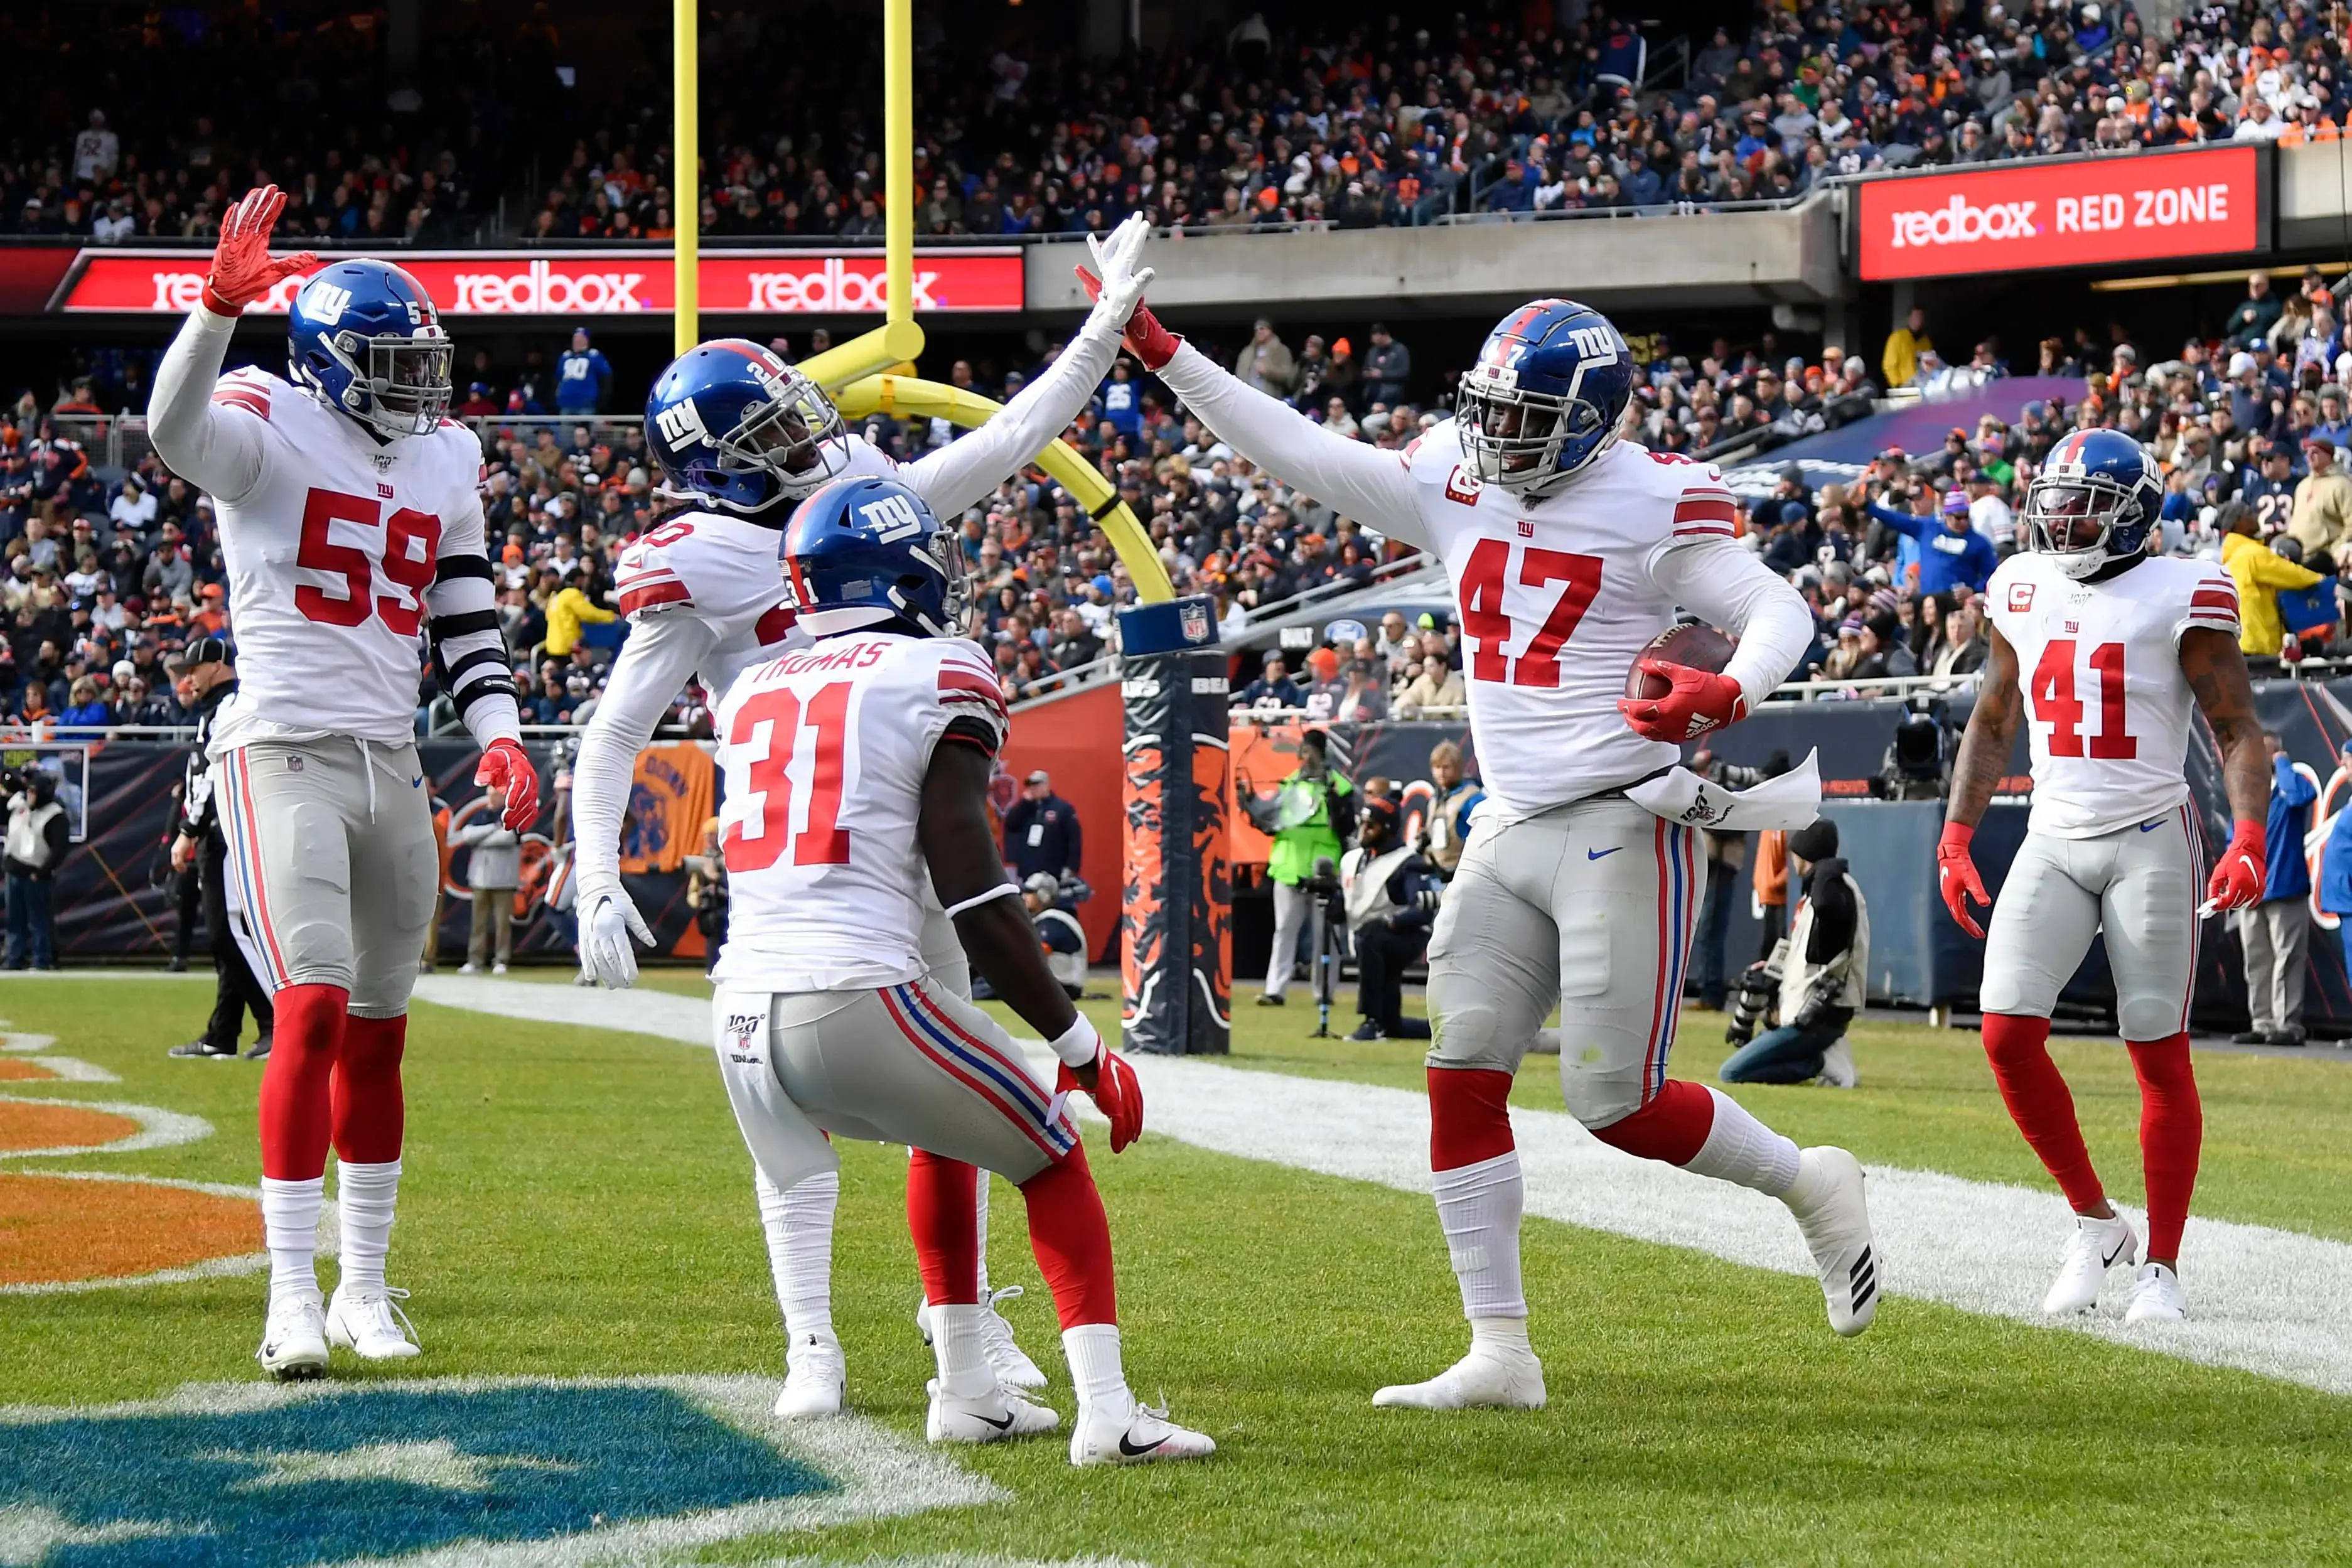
(1306, 805)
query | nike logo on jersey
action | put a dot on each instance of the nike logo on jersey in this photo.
(417, 783)
(2152, 826)
(1127, 1449)
(1597, 854)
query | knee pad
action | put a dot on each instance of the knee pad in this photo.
(2140, 1019)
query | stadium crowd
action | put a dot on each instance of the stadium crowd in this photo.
(1497, 109)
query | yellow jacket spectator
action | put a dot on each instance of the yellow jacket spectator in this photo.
(2322, 519)
(1905, 344)
(569, 609)
(2260, 573)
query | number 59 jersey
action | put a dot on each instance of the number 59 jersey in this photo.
(2107, 709)
(824, 751)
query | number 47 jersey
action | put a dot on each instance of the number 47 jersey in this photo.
(824, 751)
(2107, 708)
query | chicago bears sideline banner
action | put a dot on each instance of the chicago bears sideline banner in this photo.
(1176, 904)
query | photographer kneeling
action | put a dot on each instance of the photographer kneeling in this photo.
(1058, 931)
(1391, 895)
(1821, 967)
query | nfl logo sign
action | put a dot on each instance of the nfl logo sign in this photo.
(1193, 622)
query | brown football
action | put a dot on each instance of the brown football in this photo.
(1694, 643)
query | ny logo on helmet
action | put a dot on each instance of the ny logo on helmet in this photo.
(681, 422)
(892, 518)
(329, 303)
(1593, 342)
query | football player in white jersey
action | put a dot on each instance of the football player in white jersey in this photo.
(352, 531)
(2106, 650)
(745, 438)
(857, 773)
(1569, 551)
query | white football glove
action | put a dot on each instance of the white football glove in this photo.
(607, 922)
(1116, 255)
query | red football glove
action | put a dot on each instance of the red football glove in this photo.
(1116, 1093)
(1147, 340)
(1702, 700)
(243, 268)
(1956, 878)
(505, 766)
(2244, 870)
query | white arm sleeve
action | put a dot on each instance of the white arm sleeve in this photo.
(1367, 483)
(965, 471)
(1719, 580)
(663, 653)
(212, 446)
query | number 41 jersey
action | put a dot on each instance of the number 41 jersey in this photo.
(824, 751)
(2107, 709)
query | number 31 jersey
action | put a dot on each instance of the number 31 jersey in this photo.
(2107, 709)
(824, 751)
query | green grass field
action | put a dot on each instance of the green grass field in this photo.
(577, 1203)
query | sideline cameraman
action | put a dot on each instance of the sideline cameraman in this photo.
(204, 678)
(1309, 818)
(1823, 966)
(1391, 895)
(1058, 931)
(37, 838)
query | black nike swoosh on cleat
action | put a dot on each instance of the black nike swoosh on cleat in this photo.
(2121, 1248)
(1004, 1426)
(1131, 1451)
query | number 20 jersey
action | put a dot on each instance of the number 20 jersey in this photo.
(329, 556)
(824, 749)
(2107, 709)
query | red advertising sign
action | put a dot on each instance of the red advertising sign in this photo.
(576, 283)
(2011, 216)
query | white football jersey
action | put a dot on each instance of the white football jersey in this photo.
(330, 554)
(1556, 599)
(2107, 709)
(720, 569)
(824, 751)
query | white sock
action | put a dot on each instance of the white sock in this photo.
(980, 1227)
(1479, 1206)
(1508, 1335)
(364, 1196)
(1095, 1367)
(1740, 1149)
(799, 1228)
(964, 1364)
(289, 1229)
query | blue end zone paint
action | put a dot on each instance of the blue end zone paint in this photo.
(626, 1454)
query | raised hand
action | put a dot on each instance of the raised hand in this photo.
(243, 268)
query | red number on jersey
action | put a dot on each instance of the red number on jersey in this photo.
(1483, 620)
(320, 553)
(669, 532)
(824, 843)
(2055, 704)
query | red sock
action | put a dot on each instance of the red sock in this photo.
(2171, 1132)
(296, 1118)
(1071, 1237)
(369, 1108)
(2040, 1104)
(1673, 1127)
(1469, 1116)
(942, 1194)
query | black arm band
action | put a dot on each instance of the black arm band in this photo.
(453, 567)
(481, 689)
(458, 626)
(474, 660)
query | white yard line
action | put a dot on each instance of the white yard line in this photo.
(2264, 1301)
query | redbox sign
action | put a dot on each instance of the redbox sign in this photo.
(2008, 217)
(613, 283)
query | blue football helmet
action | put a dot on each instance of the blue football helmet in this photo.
(867, 552)
(2095, 500)
(364, 336)
(1546, 398)
(735, 427)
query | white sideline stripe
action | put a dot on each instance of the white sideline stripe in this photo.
(686, 1019)
(328, 1242)
(158, 1128)
(2263, 1301)
(72, 1069)
(27, 1042)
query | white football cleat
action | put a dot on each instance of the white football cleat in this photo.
(1489, 1376)
(2096, 1246)
(294, 1340)
(1135, 1435)
(1835, 1220)
(2157, 1296)
(371, 1325)
(816, 1379)
(1005, 1357)
(999, 1415)
(1837, 1066)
